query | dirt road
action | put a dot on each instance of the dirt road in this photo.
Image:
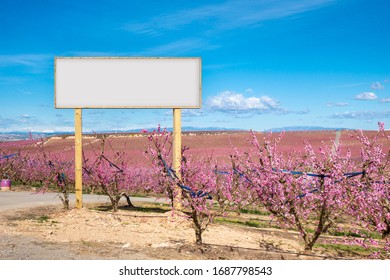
(18, 200)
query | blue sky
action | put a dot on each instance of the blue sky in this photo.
(265, 63)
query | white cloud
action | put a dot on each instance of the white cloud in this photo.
(237, 102)
(300, 112)
(10, 79)
(30, 60)
(179, 47)
(366, 96)
(26, 116)
(31, 63)
(366, 115)
(96, 112)
(227, 15)
(377, 86)
(192, 113)
(336, 104)
(186, 113)
(27, 119)
(25, 91)
(6, 123)
(385, 100)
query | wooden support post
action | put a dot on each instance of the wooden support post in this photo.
(176, 160)
(78, 138)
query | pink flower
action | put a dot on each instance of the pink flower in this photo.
(381, 126)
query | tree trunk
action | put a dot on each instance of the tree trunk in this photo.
(115, 203)
(198, 236)
(198, 228)
(130, 204)
(115, 207)
(309, 246)
(386, 231)
(171, 196)
(65, 201)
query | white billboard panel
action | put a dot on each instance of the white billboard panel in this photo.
(127, 82)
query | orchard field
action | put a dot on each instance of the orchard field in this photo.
(218, 143)
(293, 195)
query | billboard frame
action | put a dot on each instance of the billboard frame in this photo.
(158, 60)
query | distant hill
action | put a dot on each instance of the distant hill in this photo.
(304, 128)
(21, 135)
(193, 128)
(18, 135)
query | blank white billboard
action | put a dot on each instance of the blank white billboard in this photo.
(127, 82)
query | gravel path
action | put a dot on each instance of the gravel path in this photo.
(17, 200)
(15, 245)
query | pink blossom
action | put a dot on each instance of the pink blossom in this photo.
(381, 126)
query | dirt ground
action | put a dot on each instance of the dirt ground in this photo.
(147, 232)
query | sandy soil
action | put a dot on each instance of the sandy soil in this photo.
(148, 232)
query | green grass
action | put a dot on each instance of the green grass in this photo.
(43, 218)
(255, 224)
(355, 249)
(364, 233)
(250, 223)
(148, 207)
(138, 195)
(255, 212)
(151, 209)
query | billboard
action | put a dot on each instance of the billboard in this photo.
(127, 82)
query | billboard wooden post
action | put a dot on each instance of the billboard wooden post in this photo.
(176, 153)
(78, 141)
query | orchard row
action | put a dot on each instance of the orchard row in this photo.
(310, 191)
